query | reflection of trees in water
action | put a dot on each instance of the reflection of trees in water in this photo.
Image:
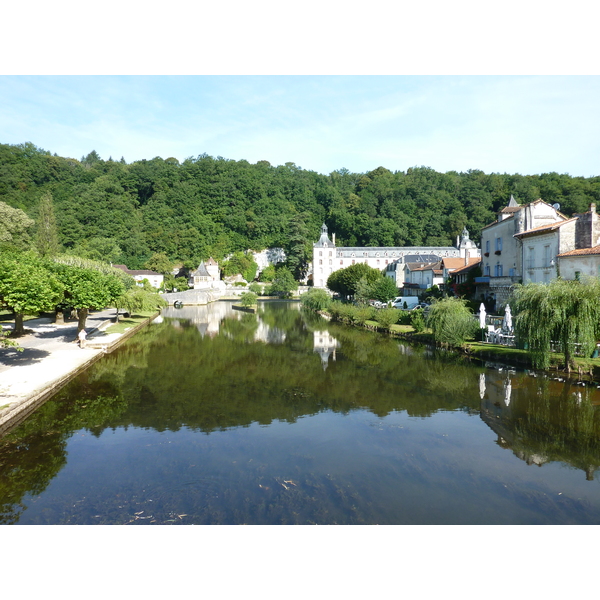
(545, 421)
(33, 454)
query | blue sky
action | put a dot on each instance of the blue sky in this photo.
(514, 124)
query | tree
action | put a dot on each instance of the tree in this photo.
(268, 273)
(160, 263)
(14, 227)
(284, 283)
(242, 264)
(249, 299)
(384, 289)
(299, 247)
(27, 286)
(98, 249)
(564, 311)
(138, 299)
(345, 281)
(451, 321)
(88, 289)
(47, 233)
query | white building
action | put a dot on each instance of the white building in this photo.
(502, 249)
(327, 258)
(155, 279)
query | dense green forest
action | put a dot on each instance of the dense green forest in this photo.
(126, 212)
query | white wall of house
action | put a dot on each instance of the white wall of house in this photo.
(575, 267)
(155, 281)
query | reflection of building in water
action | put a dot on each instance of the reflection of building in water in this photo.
(268, 334)
(541, 421)
(207, 318)
(325, 345)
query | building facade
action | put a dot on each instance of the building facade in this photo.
(327, 258)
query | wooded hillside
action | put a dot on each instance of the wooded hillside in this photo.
(124, 213)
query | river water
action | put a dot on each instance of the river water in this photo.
(215, 416)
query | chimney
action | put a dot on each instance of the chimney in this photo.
(593, 208)
(333, 237)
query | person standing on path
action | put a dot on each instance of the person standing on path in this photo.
(82, 335)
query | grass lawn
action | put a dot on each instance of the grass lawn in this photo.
(127, 323)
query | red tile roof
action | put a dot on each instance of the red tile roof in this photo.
(581, 252)
(543, 228)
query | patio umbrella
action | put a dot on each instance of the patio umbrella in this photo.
(507, 324)
(482, 316)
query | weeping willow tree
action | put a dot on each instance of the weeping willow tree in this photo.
(563, 311)
(451, 321)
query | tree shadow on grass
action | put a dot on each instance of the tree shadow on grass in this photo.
(14, 358)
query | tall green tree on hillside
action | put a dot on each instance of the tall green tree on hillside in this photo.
(14, 227)
(46, 239)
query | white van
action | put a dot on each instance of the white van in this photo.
(411, 301)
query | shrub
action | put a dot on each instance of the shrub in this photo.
(386, 317)
(451, 321)
(240, 284)
(255, 288)
(249, 299)
(316, 299)
(417, 319)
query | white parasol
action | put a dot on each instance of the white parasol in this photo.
(507, 324)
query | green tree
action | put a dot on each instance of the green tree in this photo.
(563, 311)
(384, 289)
(14, 227)
(386, 317)
(242, 264)
(249, 299)
(138, 299)
(299, 247)
(345, 281)
(284, 283)
(88, 289)
(267, 274)
(27, 286)
(98, 248)
(46, 239)
(160, 263)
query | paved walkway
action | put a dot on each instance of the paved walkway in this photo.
(50, 354)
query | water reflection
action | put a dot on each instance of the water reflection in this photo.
(361, 405)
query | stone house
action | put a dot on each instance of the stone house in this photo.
(207, 275)
(502, 250)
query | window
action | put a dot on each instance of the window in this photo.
(546, 256)
(353, 261)
(531, 258)
(487, 246)
(512, 272)
(498, 244)
(498, 270)
(320, 253)
(577, 275)
(486, 271)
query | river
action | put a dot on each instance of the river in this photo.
(215, 416)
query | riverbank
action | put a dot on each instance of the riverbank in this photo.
(51, 357)
(587, 369)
